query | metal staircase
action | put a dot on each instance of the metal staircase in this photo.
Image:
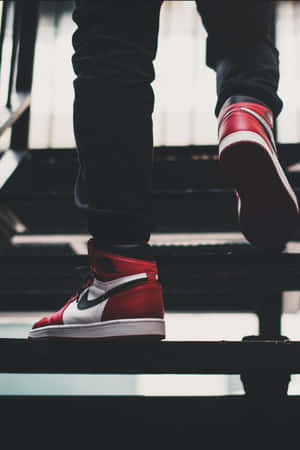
(190, 196)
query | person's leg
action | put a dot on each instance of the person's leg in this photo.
(115, 44)
(241, 50)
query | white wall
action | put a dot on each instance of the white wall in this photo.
(185, 87)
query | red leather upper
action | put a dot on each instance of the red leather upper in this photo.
(141, 300)
(109, 266)
(54, 319)
(232, 119)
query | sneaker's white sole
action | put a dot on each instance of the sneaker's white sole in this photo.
(113, 329)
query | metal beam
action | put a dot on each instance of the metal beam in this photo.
(224, 357)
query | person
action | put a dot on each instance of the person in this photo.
(115, 45)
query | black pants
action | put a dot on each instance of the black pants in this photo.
(115, 45)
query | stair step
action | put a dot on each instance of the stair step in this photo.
(219, 422)
(206, 210)
(225, 277)
(54, 170)
(224, 357)
(186, 179)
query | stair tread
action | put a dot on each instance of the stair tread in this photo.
(201, 240)
(184, 269)
(227, 357)
(226, 250)
(198, 272)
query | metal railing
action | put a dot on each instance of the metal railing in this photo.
(19, 23)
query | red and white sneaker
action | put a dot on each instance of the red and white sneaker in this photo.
(268, 210)
(122, 299)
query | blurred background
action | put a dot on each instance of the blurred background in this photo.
(184, 87)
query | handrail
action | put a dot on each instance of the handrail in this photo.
(16, 40)
(15, 112)
(9, 115)
(3, 28)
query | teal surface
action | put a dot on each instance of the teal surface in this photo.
(32, 384)
(35, 384)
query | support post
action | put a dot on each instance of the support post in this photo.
(268, 384)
